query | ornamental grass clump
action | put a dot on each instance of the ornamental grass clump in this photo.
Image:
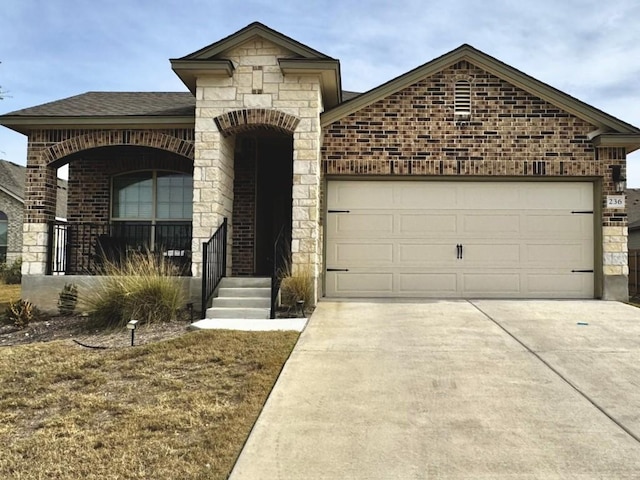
(144, 287)
(297, 287)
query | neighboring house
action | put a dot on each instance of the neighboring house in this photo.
(12, 179)
(633, 209)
(461, 178)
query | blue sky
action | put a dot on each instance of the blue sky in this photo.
(52, 49)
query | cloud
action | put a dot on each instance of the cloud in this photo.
(51, 50)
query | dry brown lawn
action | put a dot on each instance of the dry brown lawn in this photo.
(175, 409)
(8, 293)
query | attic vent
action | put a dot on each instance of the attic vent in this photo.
(462, 101)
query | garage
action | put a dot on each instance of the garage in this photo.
(464, 239)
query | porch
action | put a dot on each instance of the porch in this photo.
(85, 248)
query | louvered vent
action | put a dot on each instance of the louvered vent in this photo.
(462, 106)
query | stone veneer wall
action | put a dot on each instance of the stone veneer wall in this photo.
(258, 87)
(510, 133)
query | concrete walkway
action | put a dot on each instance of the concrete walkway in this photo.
(455, 390)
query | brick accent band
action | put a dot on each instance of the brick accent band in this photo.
(105, 138)
(247, 119)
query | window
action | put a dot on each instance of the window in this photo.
(153, 209)
(4, 224)
(462, 99)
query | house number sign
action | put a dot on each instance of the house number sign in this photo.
(615, 201)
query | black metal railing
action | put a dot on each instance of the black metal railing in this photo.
(281, 265)
(214, 263)
(84, 248)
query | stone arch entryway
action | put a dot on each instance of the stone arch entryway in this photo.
(262, 205)
(262, 187)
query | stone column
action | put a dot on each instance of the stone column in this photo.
(39, 209)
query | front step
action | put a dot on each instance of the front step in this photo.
(242, 297)
(235, 312)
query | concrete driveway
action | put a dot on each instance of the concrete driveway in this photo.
(486, 389)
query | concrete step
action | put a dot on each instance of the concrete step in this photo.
(242, 302)
(227, 312)
(255, 292)
(240, 282)
(296, 324)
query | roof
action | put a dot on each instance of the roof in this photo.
(12, 179)
(115, 104)
(607, 123)
(107, 107)
(250, 31)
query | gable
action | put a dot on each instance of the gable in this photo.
(258, 43)
(600, 120)
(414, 131)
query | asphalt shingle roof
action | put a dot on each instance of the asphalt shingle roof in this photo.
(12, 177)
(119, 104)
(100, 104)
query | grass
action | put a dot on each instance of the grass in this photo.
(181, 408)
(144, 287)
(8, 293)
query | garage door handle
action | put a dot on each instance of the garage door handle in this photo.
(337, 269)
(459, 251)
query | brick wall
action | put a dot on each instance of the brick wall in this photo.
(244, 210)
(413, 132)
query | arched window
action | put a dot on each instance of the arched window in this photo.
(4, 238)
(462, 99)
(153, 209)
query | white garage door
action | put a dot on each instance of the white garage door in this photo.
(459, 239)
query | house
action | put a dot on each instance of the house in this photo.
(12, 178)
(633, 217)
(461, 178)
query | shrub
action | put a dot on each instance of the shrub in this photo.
(12, 275)
(68, 299)
(21, 313)
(144, 287)
(297, 286)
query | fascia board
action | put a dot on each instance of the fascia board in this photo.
(24, 124)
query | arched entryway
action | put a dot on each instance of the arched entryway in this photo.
(262, 205)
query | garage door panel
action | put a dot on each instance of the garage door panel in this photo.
(558, 285)
(504, 196)
(551, 195)
(346, 225)
(438, 196)
(352, 195)
(558, 225)
(519, 239)
(575, 255)
(491, 284)
(491, 255)
(414, 254)
(428, 284)
(475, 223)
(361, 254)
(426, 224)
(353, 284)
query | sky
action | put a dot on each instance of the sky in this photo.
(53, 49)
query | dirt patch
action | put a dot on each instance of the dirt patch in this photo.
(78, 329)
